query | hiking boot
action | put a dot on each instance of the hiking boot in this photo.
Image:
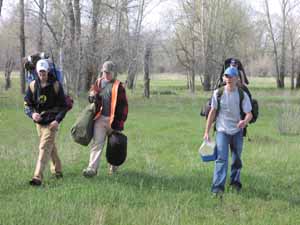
(89, 173)
(112, 169)
(235, 185)
(35, 182)
(58, 175)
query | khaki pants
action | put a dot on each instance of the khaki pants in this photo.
(47, 150)
(101, 130)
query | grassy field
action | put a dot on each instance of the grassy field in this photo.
(163, 180)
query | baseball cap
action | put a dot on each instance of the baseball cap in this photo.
(231, 71)
(108, 67)
(233, 61)
(42, 64)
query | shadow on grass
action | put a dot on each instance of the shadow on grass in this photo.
(192, 182)
(253, 186)
(266, 190)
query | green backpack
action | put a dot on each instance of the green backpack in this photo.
(83, 129)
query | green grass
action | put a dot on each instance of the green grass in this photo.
(163, 180)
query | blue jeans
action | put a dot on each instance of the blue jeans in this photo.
(223, 142)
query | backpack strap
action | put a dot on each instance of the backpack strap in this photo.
(219, 95)
(241, 94)
(32, 86)
(56, 87)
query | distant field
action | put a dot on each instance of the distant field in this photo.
(163, 180)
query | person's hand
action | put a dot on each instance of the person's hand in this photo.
(242, 124)
(53, 125)
(36, 117)
(206, 137)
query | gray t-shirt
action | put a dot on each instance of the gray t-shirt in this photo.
(106, 87)
(229, 113)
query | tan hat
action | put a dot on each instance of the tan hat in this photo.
(108, 67)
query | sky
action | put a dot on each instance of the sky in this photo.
(157, 13)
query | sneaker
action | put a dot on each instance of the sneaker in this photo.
(235, 185)
(35, 182)
(112, 169)
(218, 194)
(89, 173)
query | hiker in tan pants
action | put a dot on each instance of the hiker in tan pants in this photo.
(110, 97)
(45, 104)
(47, 150)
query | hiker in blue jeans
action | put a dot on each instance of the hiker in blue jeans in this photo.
(231, 109)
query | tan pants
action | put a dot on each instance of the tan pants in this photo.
(47, 150)
(101, 130)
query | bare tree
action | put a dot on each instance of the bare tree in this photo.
(286, 7)
(293, 31)
(40, 34)
(79, 72)
(147, 61)
(9, 65)
(1, 2)
(133, 65)
(92, 60)
(22, 45)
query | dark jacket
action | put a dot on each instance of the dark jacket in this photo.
(45, 101)
(119, 111)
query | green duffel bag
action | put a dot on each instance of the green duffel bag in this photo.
(83, 129)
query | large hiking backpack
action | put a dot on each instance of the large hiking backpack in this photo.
(30, 68)
(255, 108)
(54, 75)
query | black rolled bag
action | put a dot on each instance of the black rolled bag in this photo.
(83, 129)
(116, 149)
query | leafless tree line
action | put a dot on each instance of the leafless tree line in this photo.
(209, 31)
(81, 34)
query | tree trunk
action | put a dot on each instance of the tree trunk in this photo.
(41, 26)
(1, 1)
(283, 47)
(79, 66)
(132, 69)
(22, 45)
(298, 77)
(9, 65)
(93, 61)
(293, 68)
(71, 17)
(147, 60)
(275, 52)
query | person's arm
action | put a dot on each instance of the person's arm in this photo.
(246, 106)
(210, 119)
(29, 105)
(243, 123)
